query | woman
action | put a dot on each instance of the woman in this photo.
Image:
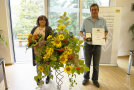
(44, 29)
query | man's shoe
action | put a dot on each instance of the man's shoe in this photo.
(96, 83)
(47, 79)
(84, 82)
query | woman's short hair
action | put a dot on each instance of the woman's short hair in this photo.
(94, 4)
(42, 17)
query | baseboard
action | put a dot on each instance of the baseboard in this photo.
(8, 64)
(108, 64)
(123, 53)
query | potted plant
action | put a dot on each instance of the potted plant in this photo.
(131, 29)
(2, 39)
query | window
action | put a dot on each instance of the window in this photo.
(24, 15)
(58, 7)
(88, 3)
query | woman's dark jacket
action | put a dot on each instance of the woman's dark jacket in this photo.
(48, 31)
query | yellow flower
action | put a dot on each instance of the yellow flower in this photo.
(68, 50)
(62, 26)
(63, 59)
(50, 36)
(30, 35)
(68, 69)
(27, 44)
(57, 43)
(61, 37)
(46, 56)
(49, 50)
(40, 68)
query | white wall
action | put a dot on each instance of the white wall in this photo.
(127, 19)
(5, 52)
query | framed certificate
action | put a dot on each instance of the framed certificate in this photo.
(98, 35)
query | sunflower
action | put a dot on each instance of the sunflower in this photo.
(68, 69)
(46, 56)
(40, 68)
(50, 36)
(68, 51)
(61, 37)
(57, 43)
(61, 26)
(63, 59)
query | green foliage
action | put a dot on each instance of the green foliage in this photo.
(131, 29)
(2, 39)
(27, 11)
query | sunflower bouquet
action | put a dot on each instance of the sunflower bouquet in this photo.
(33, 40)
(61, 53)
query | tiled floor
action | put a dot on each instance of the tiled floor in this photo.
(20, 77)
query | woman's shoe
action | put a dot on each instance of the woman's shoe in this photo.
(47, 79)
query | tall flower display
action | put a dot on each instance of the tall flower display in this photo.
(60, 52)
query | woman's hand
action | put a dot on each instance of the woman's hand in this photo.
(41, 43)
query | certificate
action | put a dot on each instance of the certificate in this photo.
(98, 35)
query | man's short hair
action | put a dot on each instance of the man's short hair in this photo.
(94, 4)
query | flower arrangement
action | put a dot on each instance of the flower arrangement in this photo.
(60, 52)
(33, 40)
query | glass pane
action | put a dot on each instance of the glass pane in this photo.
(88, 3)
(24, 15)
(58, 7)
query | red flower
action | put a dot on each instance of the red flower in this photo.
(47, 63)
(61, 50)
(36, 36)
(71, 57)
(65, 41)
(29, 40)
(77, 68)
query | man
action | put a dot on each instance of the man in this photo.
(92, 50)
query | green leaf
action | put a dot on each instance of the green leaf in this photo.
(51, 76)
(80, 42)
(58, 29)
(61, 17)
(53, 58)
(36, 78)
(66, 18)
(87, 69)
(60, 21)
(82, 46)
(77, 48)
(39, 74)
(65, 13)
(81, 62)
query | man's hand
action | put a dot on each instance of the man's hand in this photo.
(89, 39)
(84, 38)
(105, 36)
